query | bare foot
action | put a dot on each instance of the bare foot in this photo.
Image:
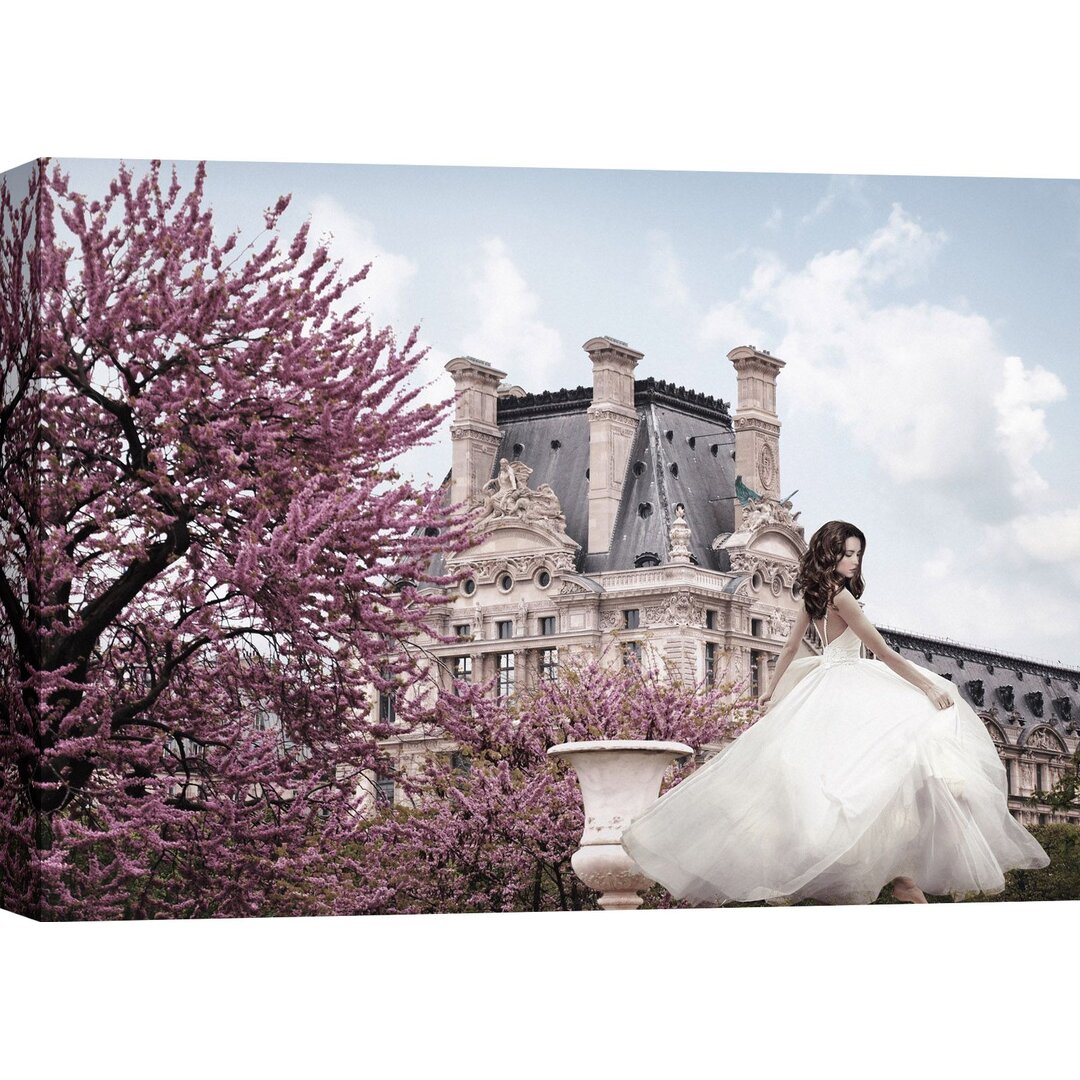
(907, 891)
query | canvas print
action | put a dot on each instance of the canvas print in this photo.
(395, 540)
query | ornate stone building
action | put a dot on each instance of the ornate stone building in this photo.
(643, 515)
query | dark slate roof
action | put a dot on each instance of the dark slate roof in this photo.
(677, 428)
(1036, 687)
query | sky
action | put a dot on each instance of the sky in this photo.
(928, 326)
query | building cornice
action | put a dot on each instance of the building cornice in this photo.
(649, 391)
(976, 655)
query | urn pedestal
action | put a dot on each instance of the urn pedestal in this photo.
(619, 778)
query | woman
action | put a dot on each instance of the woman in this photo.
(860, 773)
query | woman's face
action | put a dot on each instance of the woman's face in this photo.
(847, 565)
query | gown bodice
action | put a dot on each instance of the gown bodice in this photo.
(843, 649)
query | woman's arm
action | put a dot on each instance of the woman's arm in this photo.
(868, 634)
(787, 653)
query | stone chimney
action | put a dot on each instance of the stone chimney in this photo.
(757, 427)
(474, 430)
(612, 423)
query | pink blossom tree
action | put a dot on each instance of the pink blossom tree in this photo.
(207, 556)
(493, 826)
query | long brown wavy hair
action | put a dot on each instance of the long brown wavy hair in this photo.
(817, 575)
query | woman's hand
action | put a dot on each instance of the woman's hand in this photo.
(938, 696)
(764, 703)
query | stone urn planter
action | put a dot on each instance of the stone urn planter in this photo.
(619, 778)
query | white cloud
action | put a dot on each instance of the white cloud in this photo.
(728, 325)
(900, 250)
(509, 334)
(1052, 537)
(1020, 423)
(947, 576)
(352, 239)
(922, 388)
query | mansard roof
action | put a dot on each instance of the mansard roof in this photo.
(1024, 694)
(683, 451)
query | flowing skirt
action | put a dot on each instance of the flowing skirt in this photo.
(852, 778)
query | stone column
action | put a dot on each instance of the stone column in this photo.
(763, 672)
(769, 672)
(756, 424)
(474, 431)
(612, 423)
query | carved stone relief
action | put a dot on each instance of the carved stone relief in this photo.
(1043, 739)
(573, 588)
(781, 623)
(766, 465)
(508, 497)
(676, 610)
(767, 511)
(750, 562)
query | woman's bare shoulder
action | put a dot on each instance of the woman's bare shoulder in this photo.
(846, 604)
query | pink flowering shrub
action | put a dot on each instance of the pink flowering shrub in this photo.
(202, 549)
(493, 828)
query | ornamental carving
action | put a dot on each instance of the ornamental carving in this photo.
(508, 498)
(766, 465)
(471, 434)
(781, 624)
(614, 417)
(679, 537)
(750, 562)
(752, 423)
(519, 567)
(766, 511)
(677, 610)
(1042, 739)
(573, 588)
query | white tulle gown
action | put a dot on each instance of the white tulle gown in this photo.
(852, 778)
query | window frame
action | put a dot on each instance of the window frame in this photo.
(548, 666)
(504, 675)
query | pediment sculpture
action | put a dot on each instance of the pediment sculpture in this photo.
(766, 511)
(508, 497)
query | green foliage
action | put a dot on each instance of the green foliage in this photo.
(1065, 794)
(1058, 881)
